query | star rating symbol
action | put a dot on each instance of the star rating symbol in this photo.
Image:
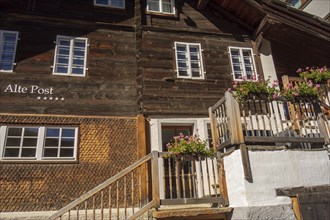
(50, 98)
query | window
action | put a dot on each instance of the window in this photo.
(189, 60)
(161, 6)
(8, 43)
(70, 56)
(110, 3)
(242, 63)
(38, 143)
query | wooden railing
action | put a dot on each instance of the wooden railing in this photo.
(257, 120)
(189, 181)
(135, 190)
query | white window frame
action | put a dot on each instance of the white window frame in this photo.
(110, 4)
(161, 11)
(2, 32)
(242, 59)
(40, 145)
(188, 67)
(70, 66)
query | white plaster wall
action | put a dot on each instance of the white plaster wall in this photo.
(267, 62)
(319, 8)
(272, 170)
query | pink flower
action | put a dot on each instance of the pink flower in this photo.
(229, 89)
(275, 96)
(299, 70)
(254, 78)
(307, 68)
(317, 86)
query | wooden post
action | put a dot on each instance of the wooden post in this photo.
(246, 162)
(155, 179)
(292, 113)
(323, 128)
(234, 120)
(214, 131)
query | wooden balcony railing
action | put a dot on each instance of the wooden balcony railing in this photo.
(301, 124)
(137, 189)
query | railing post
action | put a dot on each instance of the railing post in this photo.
(234, 120)
(155, 179)
(323, 128)
(214, 131)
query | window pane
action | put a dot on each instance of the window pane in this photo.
(61, 69)
(79, 43)
(30, 142)
(64, 51)
(181, 47)
(32, 132)
(8, 47)
(66, 153)
(153, 5)
(64, 42)
(52, 132)
(102, 2)
(80, 53)
(196, 74)
(11, 152)
(117, 3)
(14, 132)
(13, 142)
(51, 142)
(167, 6)
(68, 132)
(78, 62)
(6, 66)
(183, 73)
(193, 49)
(67, 143)
(28, 152)
(50, 152)
(78, 70)
(9, 37)
(7, 56)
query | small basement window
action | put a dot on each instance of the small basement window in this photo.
(38, 143)
(110, 3)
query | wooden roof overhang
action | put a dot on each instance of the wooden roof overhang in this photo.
(298, 39)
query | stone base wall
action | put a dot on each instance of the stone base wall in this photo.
(106, 146)
(278, 212)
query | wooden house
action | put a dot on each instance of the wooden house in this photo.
(91, 91)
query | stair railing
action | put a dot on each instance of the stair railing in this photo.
(126, 195)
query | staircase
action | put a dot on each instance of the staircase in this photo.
(134, 193)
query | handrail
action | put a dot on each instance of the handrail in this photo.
(100, 187)
(181, 170)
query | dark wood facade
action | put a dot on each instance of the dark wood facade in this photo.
(163, 93)
(109, 87)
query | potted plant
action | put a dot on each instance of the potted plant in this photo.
(250, 89)
(188, 147)
(317, 75)
(301, 90)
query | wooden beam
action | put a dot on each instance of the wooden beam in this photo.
(202, 4)
(246, 162)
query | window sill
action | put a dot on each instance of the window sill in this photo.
(33, 161)
(160, 14)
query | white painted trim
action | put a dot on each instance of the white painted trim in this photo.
(242, 61)
(202, 72)
(39, 147)
(70, 57)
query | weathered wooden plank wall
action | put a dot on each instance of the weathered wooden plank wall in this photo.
(109, 87)
(165, 94)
